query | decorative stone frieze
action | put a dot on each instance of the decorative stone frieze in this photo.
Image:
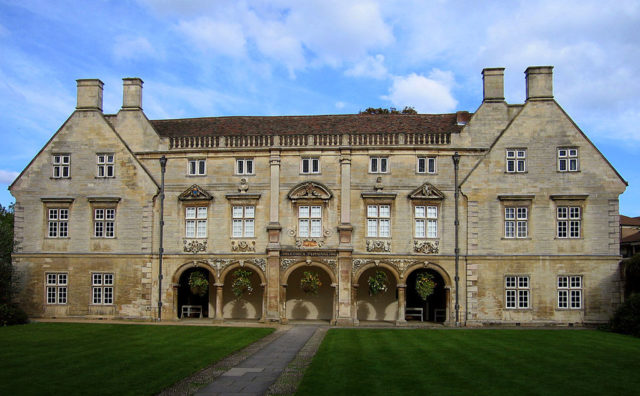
(243, 246)
(426, 247)
(378, 246)
(194, 246)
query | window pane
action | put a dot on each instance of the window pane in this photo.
(510, 281)
(99, 214)
(108, 295)
(563, 299)
(372, 211)
(522, 229)
(523, 281)
(97, 279)
(509, 229)
(576, 282)
(372, 228)
(574, 212)
(316, 211)
(385, 211)
(202, 212)
(511, 299)
(511, 166)
(191, 229)
(240, 165)
(316, 165)
(62, 295)
(374, 164)
(249, 212)
(109, 229)
(562, 153)
(432, 228)
(385, 228)
(562, 164)
(511, 153)
(202, 228)
(563, 282)
(574, 229)
(98, 229)
(420, 231)
(108, 279)
(237, 228)
(51, 279)
(420, 212)
(62, 279)
(422, 168)
(523, 298)
(192, 167)
(562, 229)
(562, 212)
(249, 167)
(51, 295)
(201, 165)
(383, 165)
(305, 165)
(190, 213)
(248, 228)
(303, 226)
(432, 212)
(432, 165)
(509, 213)
(237, 212)
(303, 211)
(520, 166)
(64, 214)
(522, 213)
(576, 298)
(97, 295)
(110, 214)
(316, 228)
(53, 229)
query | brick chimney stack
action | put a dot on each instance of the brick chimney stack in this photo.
(539, 82)
(493, 84)
(89, 94)
(132, 93)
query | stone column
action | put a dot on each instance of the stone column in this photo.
(283, 298)
(354, 304)
(345, 314)
(219, 287)
(264, 303)
(401, 304)
(335, 304)
(272, 289)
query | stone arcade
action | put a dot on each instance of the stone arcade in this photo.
(340, 196)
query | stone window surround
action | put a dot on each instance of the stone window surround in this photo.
(244, 162)
(518, 290)
(571, 156)
(196, 167)
(569, 201)
(106, 165)
(568, 287)
(55, 203)
(103, 203)
(515, 201)
(102, 287)
(58, 165)
(428, 160)
(310, 162)
(59, 288)
(513, 157)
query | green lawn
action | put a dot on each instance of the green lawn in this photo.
(110, 359)
(474, 362)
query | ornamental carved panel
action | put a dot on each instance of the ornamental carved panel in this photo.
(243, 246)
(426, 247)
(378, 246)
(194, 246)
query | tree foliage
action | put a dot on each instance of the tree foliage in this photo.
(390, 110)
(6, 248)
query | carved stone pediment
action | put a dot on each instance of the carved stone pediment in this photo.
(194, 246)
(195, 193)
(426, 191)
(243, 246)
(310, 190)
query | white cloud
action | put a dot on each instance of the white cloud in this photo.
(340, 105)
(370, 66)
(223, 38)
(430, 94)
(7, 177)
(128, 48)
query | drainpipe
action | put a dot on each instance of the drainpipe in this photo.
(163, 168)
(456, 161)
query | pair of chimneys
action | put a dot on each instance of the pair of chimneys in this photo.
(539, 80)
(90, 94)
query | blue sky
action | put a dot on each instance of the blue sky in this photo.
(289, 57)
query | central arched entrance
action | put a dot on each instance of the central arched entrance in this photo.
(434, 309)
(189, 302)
(304, 305)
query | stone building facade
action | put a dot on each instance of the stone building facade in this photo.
(530, 236)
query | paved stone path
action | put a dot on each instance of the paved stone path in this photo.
(254, 375)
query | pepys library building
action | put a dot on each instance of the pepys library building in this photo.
(508, 215)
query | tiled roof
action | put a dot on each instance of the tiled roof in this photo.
(629, 221)
(315, 124)
(635, 237)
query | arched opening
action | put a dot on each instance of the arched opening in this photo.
(379, 307)
(247, 306)
(434, 309)
(305, 305)
(192, 304)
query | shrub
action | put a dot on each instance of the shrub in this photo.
(425, 285)
(12, 314)
(241, 283)
(626, 320)
(631, 268)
